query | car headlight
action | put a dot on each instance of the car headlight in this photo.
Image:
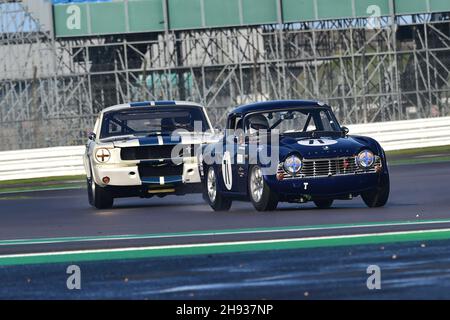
(102, 155)
(365, 159)
(292, 164)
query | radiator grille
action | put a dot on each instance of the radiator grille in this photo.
(154, 152)
(147, 171)
(316, 168)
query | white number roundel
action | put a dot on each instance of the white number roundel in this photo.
(226, 170)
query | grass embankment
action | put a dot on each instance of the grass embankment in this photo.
(420, 155)
(50, 183)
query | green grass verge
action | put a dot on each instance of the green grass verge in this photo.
(50, 183)
(419, 155)
(41, 188)
(418, 151)
(49, 180)
(418, 161)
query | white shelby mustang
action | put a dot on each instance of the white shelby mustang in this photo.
(145, 149)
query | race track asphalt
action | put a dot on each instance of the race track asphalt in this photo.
(420, 200)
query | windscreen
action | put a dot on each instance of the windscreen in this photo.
(302, 121)
(142, 122)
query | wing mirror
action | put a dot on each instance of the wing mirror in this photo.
(92, 136)
(345, 131)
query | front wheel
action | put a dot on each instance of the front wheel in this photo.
(99, 197)
(216, 200)
(262, 197)
(378, 197)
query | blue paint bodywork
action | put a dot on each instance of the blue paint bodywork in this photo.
(335, 187)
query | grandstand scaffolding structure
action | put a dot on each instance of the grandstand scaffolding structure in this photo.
(51, 88)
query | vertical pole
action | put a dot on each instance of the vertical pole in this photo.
(167, 71)
(34, 117)
(395, 73)
(180, 72)
(144, 81)
(427, 54)
(127, 71)
(282, 59)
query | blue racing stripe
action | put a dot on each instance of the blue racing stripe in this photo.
(171, 139)
(154, 140)
(167, 180)
(140, 104)
(150, 180)
(149, 141)
(156, 103)
(173, 179)
(165, 103)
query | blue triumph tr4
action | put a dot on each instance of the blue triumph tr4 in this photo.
(292, 151)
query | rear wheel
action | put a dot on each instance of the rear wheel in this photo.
(323, 204)
(378, 197)
(216, 200)
(262, 197)
(98, 197)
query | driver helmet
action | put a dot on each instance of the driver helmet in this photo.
(257, 122)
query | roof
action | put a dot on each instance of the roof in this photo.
(151, 104)
(277, 104)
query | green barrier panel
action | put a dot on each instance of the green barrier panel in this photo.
(439, 5)
(259, 11)
(298, 10)
(410, 6)
(145, 15)
(70, 20)
(220, 13)
(330, 9)
(108, 18)
(123, 16)
(185, 14)
(366, 8)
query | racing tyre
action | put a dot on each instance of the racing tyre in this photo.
(216, 200)
(89, 192)
(99, 197)
(262, 197)
(324, 204)
(378, 197)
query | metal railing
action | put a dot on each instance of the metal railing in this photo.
(38, 163)
(408, 134)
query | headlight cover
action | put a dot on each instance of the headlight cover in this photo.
(365, 159)
(292, 164)
(102, 155)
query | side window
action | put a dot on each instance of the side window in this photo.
(235, 123)
(325, 122)
(311, 124)
(114, 128)
(97, 124)
(238, 123)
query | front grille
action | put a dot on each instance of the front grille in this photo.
(153, 152)
(146, 170)
(316, 168)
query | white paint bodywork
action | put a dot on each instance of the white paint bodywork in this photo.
(125, 172)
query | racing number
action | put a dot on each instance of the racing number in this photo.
(226, 170)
